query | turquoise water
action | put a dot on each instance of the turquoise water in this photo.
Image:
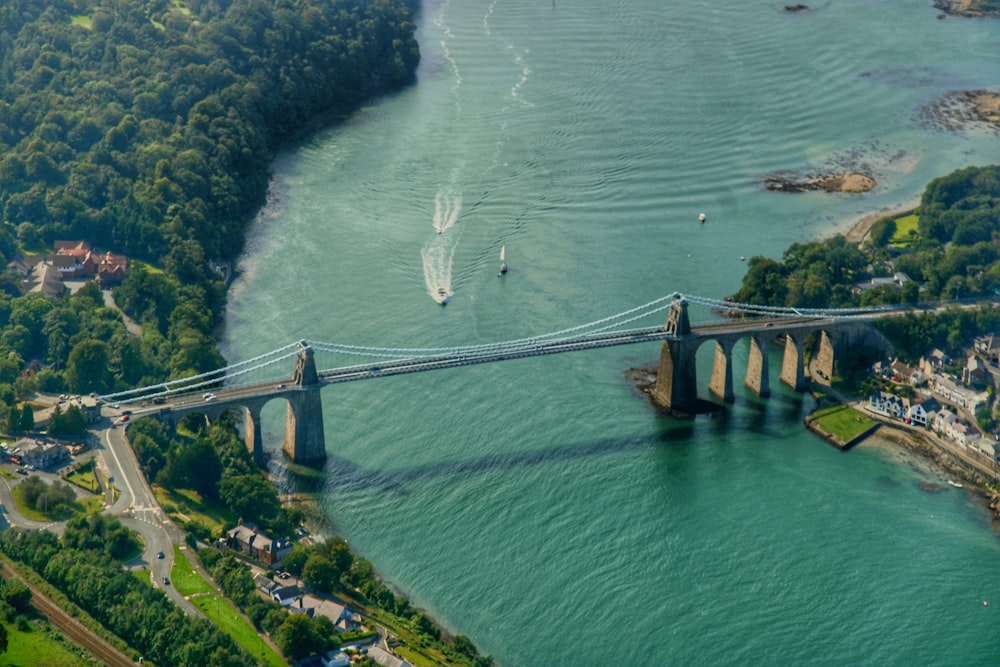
(540, 506)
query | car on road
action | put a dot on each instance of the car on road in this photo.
(281, 386)
(123, 419)
(22, 471)
(159, 400)
(159, 554)
(210, 397)
(166, 581)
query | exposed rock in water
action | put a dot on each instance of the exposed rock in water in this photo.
(851, 183)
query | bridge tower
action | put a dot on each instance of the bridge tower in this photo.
(304, 438)
(677, 377)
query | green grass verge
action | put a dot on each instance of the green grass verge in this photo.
(842, 422)
(35, 515)
(38, 647)
(187, 580)
(84, 477)
(183, 505)
(220, 612)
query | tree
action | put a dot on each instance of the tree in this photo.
(87, 369)
(250, 496)
(321, 573)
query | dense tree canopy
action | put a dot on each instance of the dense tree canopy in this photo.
(145, 128)
(955, 255)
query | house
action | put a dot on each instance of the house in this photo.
(343, 618)
(333, 658)
(265, 583)
(921, 413)
(45, 279)
(988, 346)
(111, 270)
(907, 374)
(949, 392)
(38, 453)
(974, 372)
(258, 546)
(887, 404)
(934, 361)
(286, 595)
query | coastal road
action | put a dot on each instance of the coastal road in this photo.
(136, 507)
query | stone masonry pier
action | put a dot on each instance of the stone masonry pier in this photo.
(677, 377)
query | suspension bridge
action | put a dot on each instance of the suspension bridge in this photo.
(252, 383)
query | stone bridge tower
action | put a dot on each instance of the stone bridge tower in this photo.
(305, 441)
(677, 377)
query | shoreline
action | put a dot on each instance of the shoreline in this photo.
(857, 231)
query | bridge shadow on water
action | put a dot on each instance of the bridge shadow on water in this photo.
(757, 415)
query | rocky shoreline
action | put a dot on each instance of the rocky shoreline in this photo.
(852, 173)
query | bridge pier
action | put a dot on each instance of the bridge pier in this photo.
(677, 376)
(252, 436)
(758, 374)
(305, 441)
(791, 365)
(721, 383)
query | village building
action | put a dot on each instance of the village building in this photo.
(249, 541)
(947, 391)
(333, 658)
(934, 361)
(988, 346)
(36, 453)
(286, 595)
(45, 279)
(343, 619)
(974, 372)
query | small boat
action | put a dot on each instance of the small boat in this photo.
(503, 260)
(701, 218)
(955, 484)
(743, 258)
(442, 296)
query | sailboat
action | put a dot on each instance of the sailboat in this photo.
(503, 260)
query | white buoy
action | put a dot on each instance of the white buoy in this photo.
(701, 218)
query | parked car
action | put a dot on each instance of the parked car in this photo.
(22, 471)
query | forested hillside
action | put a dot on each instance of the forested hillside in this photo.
(951, 251)
(146, 128)
(140, 124)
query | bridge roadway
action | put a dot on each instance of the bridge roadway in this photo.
(519, 350)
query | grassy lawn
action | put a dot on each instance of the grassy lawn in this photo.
(906, 231)
(185, 578)
(84, 477)
(183, 505)
(80, 20)
(220, 612)
(36, 647)
(843, 422)
(35, 515)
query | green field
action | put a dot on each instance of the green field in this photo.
(907, 231)
(220, 612)
(185, 578)
(842, 422)
(37, 647)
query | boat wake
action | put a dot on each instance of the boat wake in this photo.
(438, 255)
(437, 259)
(446, 210)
